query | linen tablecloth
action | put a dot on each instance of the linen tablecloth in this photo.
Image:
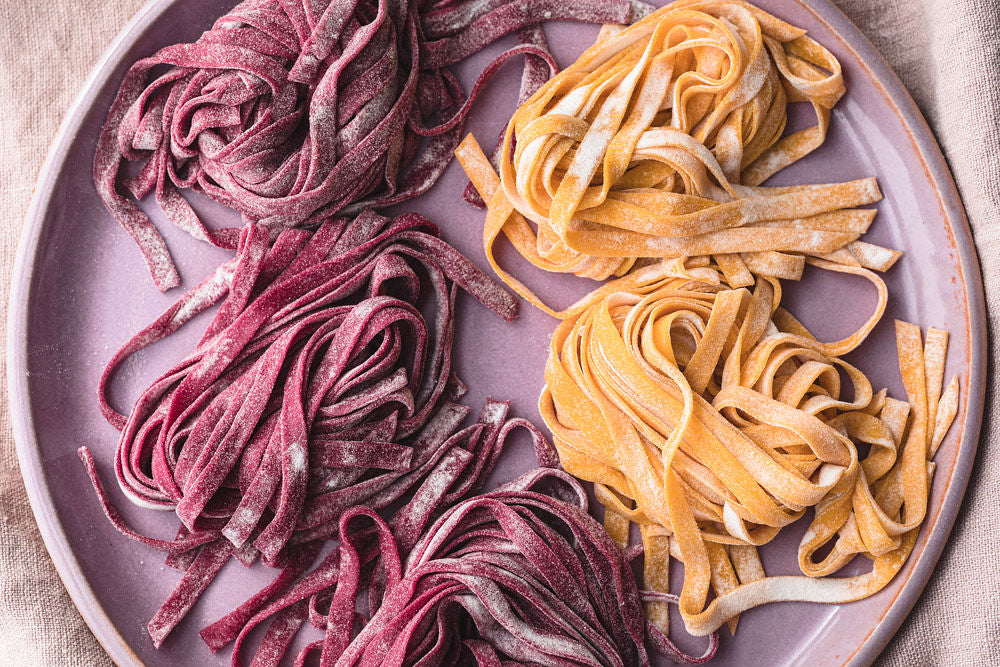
(948, 55)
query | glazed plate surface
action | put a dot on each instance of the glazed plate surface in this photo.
(81, 290)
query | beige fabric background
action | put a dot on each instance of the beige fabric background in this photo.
(948, 54)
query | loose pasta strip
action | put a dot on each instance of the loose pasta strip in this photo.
(712, 418)
(654, 144)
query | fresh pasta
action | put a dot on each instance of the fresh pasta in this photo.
(712, 418)
(291, 111)
(654, 144)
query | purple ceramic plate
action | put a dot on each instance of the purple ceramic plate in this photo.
(81, 290)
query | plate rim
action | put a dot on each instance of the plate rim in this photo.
(841, 27)
(28, 455)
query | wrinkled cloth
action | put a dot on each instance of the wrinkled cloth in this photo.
(948, 55)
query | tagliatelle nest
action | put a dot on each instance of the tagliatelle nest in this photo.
(712, 418)
(654, 143)
(290, 112)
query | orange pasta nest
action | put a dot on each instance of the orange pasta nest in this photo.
(701, 410)
(712, 418)
(654, 144)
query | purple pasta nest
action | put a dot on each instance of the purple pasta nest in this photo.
(317, 386)
(522, 574)
(292, 111)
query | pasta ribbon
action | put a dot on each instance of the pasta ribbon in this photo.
(654, 143)
(712, 418)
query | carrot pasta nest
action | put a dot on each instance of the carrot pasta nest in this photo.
(703, 411)
(712, 418)
(654, 144)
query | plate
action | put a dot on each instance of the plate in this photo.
(81, 290)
